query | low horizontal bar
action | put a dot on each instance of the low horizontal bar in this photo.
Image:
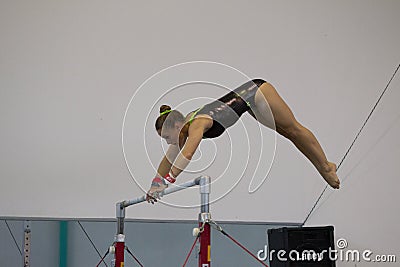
(167, 191)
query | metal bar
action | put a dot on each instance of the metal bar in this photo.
(120, 213)
(205, 184)
(167, 191)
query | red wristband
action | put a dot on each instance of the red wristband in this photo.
(169, 178)
(158, 181)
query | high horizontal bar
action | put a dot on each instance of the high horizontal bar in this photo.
(167, 191)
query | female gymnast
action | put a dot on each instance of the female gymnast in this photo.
(257, 97)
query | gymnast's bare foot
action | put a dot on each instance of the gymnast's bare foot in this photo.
(330, 175)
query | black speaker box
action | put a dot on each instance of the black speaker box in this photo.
(301, 243)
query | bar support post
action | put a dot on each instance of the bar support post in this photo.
(204, 218)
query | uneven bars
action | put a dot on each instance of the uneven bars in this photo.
(167, 191)
(119, 245)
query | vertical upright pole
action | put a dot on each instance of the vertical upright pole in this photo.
(120, 237)
(27, 244)
(204, 217)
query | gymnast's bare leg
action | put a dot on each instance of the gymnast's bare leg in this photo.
(285, 124)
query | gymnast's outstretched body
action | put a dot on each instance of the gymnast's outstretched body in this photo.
(257, 97)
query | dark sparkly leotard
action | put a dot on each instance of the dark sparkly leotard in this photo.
(227, 110)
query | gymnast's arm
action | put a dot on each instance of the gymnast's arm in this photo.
(195, 134)
(166, 162)
(183, 157)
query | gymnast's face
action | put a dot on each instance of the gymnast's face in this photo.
(170, 134)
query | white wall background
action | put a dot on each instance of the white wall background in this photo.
(68, 70)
